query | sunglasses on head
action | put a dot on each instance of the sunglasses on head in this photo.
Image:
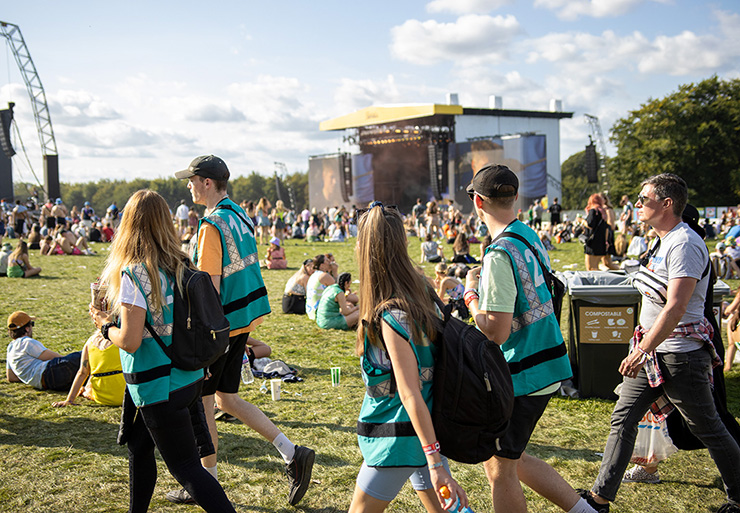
(362, 211)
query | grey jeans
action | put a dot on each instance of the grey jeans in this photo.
(687, 386)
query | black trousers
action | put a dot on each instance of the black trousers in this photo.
(169, 427)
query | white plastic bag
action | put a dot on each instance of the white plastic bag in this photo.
(653, 443)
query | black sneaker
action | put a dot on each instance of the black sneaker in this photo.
(729, 507)
(299, 473)
(181, 496)
(586, 494)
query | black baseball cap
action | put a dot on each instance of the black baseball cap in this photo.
(490, 179)
(205, 166)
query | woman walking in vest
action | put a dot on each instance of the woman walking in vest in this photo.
(144, 266)
(397, 314)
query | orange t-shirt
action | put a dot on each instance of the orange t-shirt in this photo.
(210, 259)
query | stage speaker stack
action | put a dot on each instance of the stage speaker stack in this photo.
(438, 160)
(592, 165)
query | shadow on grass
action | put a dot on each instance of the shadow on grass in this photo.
(544, 452)
(45, 277)
(79, 432)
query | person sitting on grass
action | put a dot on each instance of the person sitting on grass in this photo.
(18, 264)
(324, 275)
(65, 243)
(29, 362)
(294, 297)
(101, 363)
(335, 311)
(275, 258)
(430, 250)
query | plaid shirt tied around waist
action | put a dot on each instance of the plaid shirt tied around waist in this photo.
(701, 331)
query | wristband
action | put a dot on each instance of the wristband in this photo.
(431, 448)
(436, 465)
(469, 297)
(104, 329)
(645, 353)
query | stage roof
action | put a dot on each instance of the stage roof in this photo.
(379, 115)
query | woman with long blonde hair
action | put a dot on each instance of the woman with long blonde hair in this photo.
(278, 220)
(262, 213)
(394, 340)
(19, 266)
(144, 267)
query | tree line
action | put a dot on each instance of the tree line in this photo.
(103, 192)
(693, 132)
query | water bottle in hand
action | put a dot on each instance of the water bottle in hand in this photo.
(247, 375)
(457, 508)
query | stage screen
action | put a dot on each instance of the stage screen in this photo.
(325, 181)
(523, 154)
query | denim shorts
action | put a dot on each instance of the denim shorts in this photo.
(61, 371)
(384, 483)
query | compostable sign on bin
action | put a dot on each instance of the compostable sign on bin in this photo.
(606, 325)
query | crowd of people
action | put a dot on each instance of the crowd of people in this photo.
(395, 313)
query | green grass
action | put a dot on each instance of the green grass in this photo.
(66, 460)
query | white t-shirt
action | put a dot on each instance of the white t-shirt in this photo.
(182, 212)
(681, 254)
(314, 289)
(23, 359)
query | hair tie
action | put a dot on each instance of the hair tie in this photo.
(377, 203)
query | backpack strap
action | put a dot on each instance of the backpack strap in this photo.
(242, 218)
(512, 235)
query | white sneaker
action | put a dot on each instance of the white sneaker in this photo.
(638, 474)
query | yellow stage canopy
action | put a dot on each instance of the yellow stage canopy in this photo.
(382, 115)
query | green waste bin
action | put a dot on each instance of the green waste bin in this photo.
(603, 314)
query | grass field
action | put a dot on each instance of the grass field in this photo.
(66, 460)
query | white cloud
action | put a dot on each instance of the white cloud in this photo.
(79, 108)
(469, 36)
(466, 6)
(210, 113)
(352, 94)
(573, 9)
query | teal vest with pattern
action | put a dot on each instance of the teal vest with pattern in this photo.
(384, 430)
(535, 350)
(148, 371)
(243, 292)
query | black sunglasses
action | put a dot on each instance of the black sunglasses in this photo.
(642, 198)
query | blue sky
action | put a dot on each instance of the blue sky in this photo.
(137, 89)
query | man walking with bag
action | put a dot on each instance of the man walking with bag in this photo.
(672, 355)
(226, 249)
(511, 304)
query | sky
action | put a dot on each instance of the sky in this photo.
(138, 89)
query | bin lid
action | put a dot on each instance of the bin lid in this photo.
(721, 289)
(595, 284)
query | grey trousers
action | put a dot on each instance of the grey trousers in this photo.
(687, 386)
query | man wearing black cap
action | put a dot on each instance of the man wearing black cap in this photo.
(28, 361)
(512, 305)
(227, 251)
(671, 353)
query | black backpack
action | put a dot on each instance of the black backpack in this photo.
(473, 392)
(200, 330)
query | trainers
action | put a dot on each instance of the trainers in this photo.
(181, 496)
(638, 474)
(729, 507)
(599, 508)
(299, 473)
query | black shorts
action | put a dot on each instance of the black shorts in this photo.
(527, 411)
(294, 304)
(51, 222)
(226, 373)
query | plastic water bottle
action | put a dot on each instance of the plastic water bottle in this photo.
(458, 508)
(247, 375)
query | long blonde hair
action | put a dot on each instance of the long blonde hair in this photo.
(388, 277)
(146, 236)
(20, 249)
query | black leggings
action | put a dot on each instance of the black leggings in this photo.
(168, 426)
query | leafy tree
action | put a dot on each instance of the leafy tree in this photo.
(693, 133)
(576, 189)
